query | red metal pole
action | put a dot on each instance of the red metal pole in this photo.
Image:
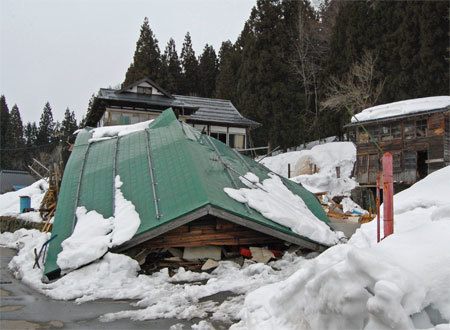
(378, 206)
(388, 195)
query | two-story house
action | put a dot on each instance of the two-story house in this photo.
(145, 100)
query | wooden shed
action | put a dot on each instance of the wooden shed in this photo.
(416, 132)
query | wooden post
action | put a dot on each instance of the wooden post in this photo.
(378, 206)
(289, 170)
(338, 172)
(388, 195)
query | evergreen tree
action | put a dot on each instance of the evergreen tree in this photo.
(4, 120)
(190, 68)
(171, 68)
(229, 61)
(30, 135)
(266, 88)
(14, 139)
(147, 57)
(207, 69)
(68, 126)
(46, 130)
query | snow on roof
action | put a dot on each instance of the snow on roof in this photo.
(402, 108)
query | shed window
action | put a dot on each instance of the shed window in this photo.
(362, 136)
(410, 159)
(373, 131)
(397, 161)
(386, 132)
(373, 163)
(396, 131)
(362, 163)
(421, 128)
(409, 130)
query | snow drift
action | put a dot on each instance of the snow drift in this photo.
(326, 157)
(400, 283)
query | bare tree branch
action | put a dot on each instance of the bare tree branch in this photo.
(355, 89)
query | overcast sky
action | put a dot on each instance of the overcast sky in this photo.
(62, 51)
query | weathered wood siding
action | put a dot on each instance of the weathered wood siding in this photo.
(404, 142)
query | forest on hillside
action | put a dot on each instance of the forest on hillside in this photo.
(293, 68)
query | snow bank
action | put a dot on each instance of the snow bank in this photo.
(93, 235)
(326, 157)
(402, 108)
(159, 295)
(10, 201)
(276, 202)
(400, 283)
(100, 133)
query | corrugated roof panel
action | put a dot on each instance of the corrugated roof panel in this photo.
(134, 172)
(188, 175)
(97, 182)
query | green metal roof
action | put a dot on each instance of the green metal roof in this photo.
(188, 175)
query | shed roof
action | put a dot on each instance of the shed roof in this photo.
(402, 109)
(189, 183)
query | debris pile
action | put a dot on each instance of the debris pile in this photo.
(343, 208)
(203, 258)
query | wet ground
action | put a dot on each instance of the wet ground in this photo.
(23, 308)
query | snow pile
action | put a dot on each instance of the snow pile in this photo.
(106, 132)
(276, 202)
(400, 283)
(159, 295)
(93, 235)
(326, 157)
(402, 108)
(10, 201)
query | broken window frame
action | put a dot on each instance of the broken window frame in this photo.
(363, 137)
(409, 129)
(421, 128)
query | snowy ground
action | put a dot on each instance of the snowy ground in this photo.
(400, 283)
(10, 201)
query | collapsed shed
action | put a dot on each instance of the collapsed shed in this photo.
(175, 178)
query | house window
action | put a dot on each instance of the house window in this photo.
(410, 160)
(236, 141)
(409, 130)
(421, 128)
(144, 90)
(222, 137)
